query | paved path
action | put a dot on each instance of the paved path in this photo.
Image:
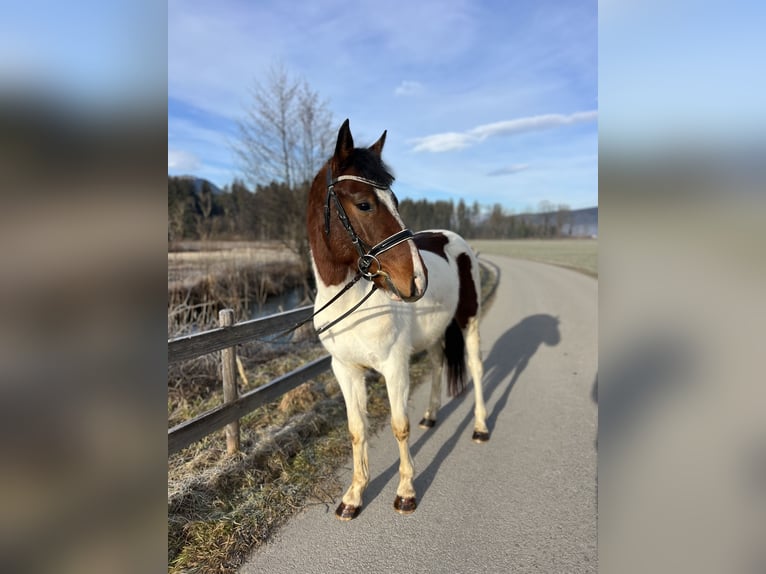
(525, 501)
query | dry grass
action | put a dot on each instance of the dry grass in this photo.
(193, 261)
(578, 254)
(222, 507)
(204, 277)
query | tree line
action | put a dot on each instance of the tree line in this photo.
(276, 212)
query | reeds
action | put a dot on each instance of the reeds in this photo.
(197, 290)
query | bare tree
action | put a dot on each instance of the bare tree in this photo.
(284, 138)
(316, 135)
(286, 133)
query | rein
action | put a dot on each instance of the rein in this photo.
(337, 320)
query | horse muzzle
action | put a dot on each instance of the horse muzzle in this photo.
(417, 289)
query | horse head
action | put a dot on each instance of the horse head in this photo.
(354, 222)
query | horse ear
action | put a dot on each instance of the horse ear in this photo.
(345, 142)
(377, 147)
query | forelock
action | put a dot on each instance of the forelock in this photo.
(369, 166)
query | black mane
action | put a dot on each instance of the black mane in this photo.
(369, 166)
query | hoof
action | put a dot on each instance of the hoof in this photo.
(347, 512)
(480, 437)
(426, 423)
(405, 505)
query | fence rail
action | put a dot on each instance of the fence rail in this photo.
(190, 346)
(225, 339)
(190, 431)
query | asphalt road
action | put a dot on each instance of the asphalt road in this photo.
(523, 502)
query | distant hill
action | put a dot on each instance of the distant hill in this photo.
(197, 183)
(576, 223)
(582, 223)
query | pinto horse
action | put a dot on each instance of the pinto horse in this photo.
(384, 293)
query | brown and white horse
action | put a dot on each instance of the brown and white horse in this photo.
(384, 293)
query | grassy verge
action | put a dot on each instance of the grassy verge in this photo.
(220, 507)
(578, 254)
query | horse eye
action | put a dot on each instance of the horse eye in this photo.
(364, 206)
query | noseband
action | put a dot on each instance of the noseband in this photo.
(367, 255)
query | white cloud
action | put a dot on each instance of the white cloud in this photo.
(444, 142)
(532, 123)
(180, 160)
(408, 88)
(511, 169)
(457, 140)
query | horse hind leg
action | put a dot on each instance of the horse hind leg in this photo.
(351, 381)
(473, 351)
(436, 356)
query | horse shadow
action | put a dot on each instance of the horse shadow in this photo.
(509, 357)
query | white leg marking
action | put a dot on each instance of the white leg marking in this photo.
(351, 381)
(472, 344)
(398, 387)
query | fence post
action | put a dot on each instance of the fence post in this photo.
(229, 376)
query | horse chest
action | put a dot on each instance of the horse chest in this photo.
(365, 351)
(371, 333)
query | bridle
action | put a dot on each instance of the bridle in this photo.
(367, 255)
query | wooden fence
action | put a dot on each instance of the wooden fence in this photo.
(225, 339)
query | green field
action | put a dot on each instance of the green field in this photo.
(578, 254)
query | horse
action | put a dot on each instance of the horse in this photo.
(384, 293)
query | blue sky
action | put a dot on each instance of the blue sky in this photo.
(493, 102)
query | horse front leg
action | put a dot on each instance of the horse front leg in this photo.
(351, 381)
(436, 356)
(398, 387)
